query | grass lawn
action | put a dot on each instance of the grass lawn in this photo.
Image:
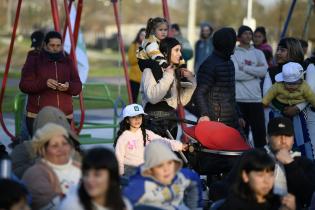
(114, 92)
(104, 63)
(13, 74)
(98, 92)
(11, 92)
(8, 100)
(111, 71)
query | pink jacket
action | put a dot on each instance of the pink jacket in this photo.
(130, 149)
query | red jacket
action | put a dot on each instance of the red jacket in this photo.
(35, 73)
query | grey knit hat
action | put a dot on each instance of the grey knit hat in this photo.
(44, 134)
(156, 153)
(50, 114)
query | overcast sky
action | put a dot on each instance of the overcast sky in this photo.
(267, 2)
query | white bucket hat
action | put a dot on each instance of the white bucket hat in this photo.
(291, 72)
(133, 110)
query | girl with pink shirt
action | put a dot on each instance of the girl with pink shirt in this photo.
(132, 138)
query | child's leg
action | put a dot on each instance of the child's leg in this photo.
(129, 170)
(153, 65)
(143, 64)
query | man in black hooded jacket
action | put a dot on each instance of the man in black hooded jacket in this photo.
(215, 93)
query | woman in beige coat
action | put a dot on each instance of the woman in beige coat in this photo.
(49, 179)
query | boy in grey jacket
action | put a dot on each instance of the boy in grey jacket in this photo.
(250, 67)
(161, 182)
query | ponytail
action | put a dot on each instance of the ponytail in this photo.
(149, 28)
(144, 134)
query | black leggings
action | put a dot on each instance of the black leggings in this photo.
(29, 125)
(253, 114)
(159, 122)
(134, 90)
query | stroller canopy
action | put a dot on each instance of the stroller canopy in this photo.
(218, 136)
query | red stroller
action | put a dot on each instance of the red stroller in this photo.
(213, 147)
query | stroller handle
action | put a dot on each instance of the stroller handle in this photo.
(174, 119)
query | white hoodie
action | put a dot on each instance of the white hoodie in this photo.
(250, 67)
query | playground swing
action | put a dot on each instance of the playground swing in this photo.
(19, 102)
(73, 37)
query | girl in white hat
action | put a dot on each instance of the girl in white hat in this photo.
(132, 138)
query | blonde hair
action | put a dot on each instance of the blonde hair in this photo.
(44, 134)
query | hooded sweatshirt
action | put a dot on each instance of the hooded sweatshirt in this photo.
(183, 191)
(215, 93)
(250, 67)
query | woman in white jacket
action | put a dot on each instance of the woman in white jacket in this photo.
(161, 90)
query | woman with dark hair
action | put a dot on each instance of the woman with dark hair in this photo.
(132, 138)
(260, 42)
(290, 50)
(135, 73)
(161, 90)
(49, 79)
(13, 195)
(215, 93)
(252, 188)
(100, 186)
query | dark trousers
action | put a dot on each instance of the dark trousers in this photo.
(134, 90)
(253, 114)
(157, 122)
(29, 125)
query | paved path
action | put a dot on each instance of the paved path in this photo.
(100, 116)
(109, 80)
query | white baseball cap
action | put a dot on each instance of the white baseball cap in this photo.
(133, 110)
(291, 72)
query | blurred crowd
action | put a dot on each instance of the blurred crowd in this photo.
(256, 101)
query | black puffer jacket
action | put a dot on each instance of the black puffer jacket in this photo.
(215, 93)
